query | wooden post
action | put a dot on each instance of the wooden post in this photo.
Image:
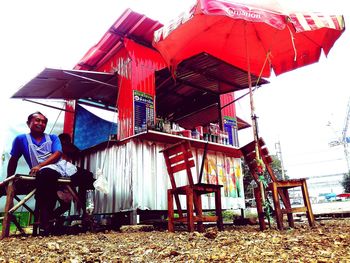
(190, 217)
(218, 209)
(10, 193)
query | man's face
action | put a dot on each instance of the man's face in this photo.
(37, 123)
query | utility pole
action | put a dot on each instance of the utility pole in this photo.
(344, 140)
(344, 132)
(279, 156)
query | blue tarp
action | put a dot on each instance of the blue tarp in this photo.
(90, 129)
(330, 195)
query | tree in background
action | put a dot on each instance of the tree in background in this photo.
(248, 179)
(277, 168)
(346, 182)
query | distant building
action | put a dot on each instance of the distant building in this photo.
(319, 187)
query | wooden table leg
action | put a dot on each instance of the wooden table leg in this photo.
(190, 217)
(218, 210)
(10, 193)
(170, 211)
(198, 210)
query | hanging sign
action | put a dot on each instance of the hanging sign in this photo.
(230, 126)
(143, 111)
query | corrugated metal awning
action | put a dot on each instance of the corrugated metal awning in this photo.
(64, 84)
(189, 96)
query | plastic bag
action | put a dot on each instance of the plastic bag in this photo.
(101, 183)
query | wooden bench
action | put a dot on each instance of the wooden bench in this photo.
(20, 184)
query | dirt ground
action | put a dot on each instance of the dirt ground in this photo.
(329, 241)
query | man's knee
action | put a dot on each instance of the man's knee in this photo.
(47, 174)
(83, 178)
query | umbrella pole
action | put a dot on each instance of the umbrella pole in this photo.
(260, 169)
(256, 138)
(255, 130)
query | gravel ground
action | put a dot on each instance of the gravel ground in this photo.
(329, 241)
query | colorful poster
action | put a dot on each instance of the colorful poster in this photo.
(210, 169)
(222, 179)
(239, 178)
(143, 111)
(219, 169)
(231, 177)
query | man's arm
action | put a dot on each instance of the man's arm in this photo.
(52, 159)
(12, 166)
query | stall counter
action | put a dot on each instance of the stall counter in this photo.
(137, 176)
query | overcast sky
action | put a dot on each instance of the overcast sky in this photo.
(294, 109)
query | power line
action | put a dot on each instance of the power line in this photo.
(324, 176)
(315, 152)
(315, 162)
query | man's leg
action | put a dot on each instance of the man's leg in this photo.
(46, 185)
(63, 207)
(84, 179)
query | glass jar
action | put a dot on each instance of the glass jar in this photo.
(90, 205)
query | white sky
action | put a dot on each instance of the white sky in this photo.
(294, 109)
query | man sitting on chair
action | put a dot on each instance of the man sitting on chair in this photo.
(42, 152)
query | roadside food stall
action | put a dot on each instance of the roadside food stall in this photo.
(122, 73)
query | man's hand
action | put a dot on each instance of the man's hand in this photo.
(34, 170)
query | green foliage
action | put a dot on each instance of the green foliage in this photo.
(277, 168)
(248, 178)
(227, 215)
(22, 218)
(346, 182)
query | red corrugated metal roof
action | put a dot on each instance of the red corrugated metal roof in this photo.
(131, 25)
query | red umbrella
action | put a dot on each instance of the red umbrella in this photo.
(254, 38)
(258, 38)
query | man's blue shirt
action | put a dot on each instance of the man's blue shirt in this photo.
(20, 146)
